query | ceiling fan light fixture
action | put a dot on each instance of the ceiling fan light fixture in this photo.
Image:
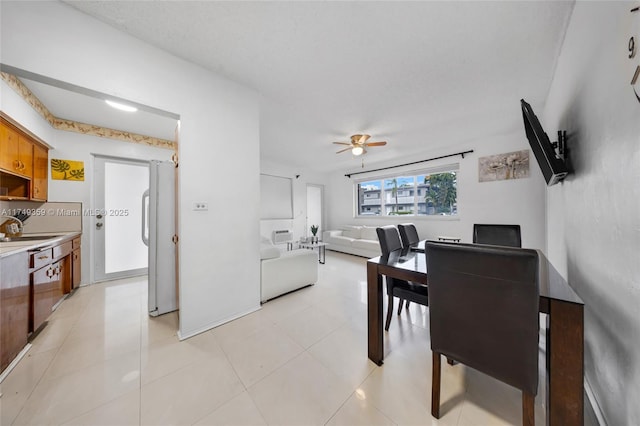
(121, 107)
(357, 150)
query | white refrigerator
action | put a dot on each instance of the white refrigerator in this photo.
(158, 230)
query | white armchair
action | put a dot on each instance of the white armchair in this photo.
(285, 271)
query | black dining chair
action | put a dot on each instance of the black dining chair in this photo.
(483, 312)
(498, 235)
(408, 234)
(409, 237)
(389, 239)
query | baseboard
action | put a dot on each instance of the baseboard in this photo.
(593, 402)
(183, 336)
(15, 362)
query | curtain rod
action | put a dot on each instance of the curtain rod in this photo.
(409, 164)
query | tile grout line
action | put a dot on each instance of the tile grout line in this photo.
(105, 402)
(226, 356)
(44, 371)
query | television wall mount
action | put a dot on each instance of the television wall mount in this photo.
(561, 145)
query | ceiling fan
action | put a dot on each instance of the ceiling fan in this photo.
(358, 144)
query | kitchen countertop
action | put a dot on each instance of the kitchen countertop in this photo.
(49, 238)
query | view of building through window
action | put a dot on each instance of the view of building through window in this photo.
(425, 194)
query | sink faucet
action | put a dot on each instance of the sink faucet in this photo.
(12, 229)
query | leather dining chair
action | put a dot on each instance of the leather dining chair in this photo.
(409, 237)
(483, 312)
(389, 239)
(498, 235)
(408, 234)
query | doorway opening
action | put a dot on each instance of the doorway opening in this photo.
(117, 222)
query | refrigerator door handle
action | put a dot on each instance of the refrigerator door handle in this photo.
(145, 214)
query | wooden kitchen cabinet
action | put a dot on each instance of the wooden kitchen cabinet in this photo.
(40, 182)
(8, 147)
(50, 280)
(16, 151)
(47, 289)
(42, 295)
(14, 306)
(32, 283)
(76, 264)
(23, 163)
(25, 156)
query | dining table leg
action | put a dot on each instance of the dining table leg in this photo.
(374, 313)
(565, 364)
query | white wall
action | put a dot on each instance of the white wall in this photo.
(219, 137)
(299, 222)
(519, 201)
(594, 215)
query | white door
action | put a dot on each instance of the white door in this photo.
(117, 220)
(315, 208)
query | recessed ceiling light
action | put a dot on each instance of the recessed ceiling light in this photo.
(121, 107)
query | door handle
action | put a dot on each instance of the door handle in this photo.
(145, 213)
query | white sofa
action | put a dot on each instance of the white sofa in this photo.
(285, 271)
(358, 240)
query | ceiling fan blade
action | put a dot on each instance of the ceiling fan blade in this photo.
(342, 143)
(343, 150)
(381, 143)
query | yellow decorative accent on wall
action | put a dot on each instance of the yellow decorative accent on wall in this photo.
(74, 126)
(67, 170)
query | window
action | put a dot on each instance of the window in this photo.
(436, 194)
(369, 203)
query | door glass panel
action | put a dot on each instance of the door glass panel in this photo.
(124, 185)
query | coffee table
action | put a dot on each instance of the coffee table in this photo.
(322, 247)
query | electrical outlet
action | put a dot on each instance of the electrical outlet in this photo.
(200, 206)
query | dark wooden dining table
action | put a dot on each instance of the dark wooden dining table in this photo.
(564, 328)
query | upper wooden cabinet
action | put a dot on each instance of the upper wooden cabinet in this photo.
(39, 183)
(23, 163)
(16, 152)
(25, 156)
(9, 142)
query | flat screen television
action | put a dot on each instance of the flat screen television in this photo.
(553, 167)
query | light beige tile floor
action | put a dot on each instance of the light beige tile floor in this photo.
(300, 360)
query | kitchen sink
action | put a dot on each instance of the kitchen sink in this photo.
(28, 238)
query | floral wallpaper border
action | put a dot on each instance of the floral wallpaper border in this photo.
(77, 127)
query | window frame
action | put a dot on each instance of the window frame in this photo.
(381, 179)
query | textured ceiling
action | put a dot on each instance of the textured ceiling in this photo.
(421, 75)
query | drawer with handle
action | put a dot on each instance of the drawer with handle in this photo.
(62, 250)
(39, 258)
